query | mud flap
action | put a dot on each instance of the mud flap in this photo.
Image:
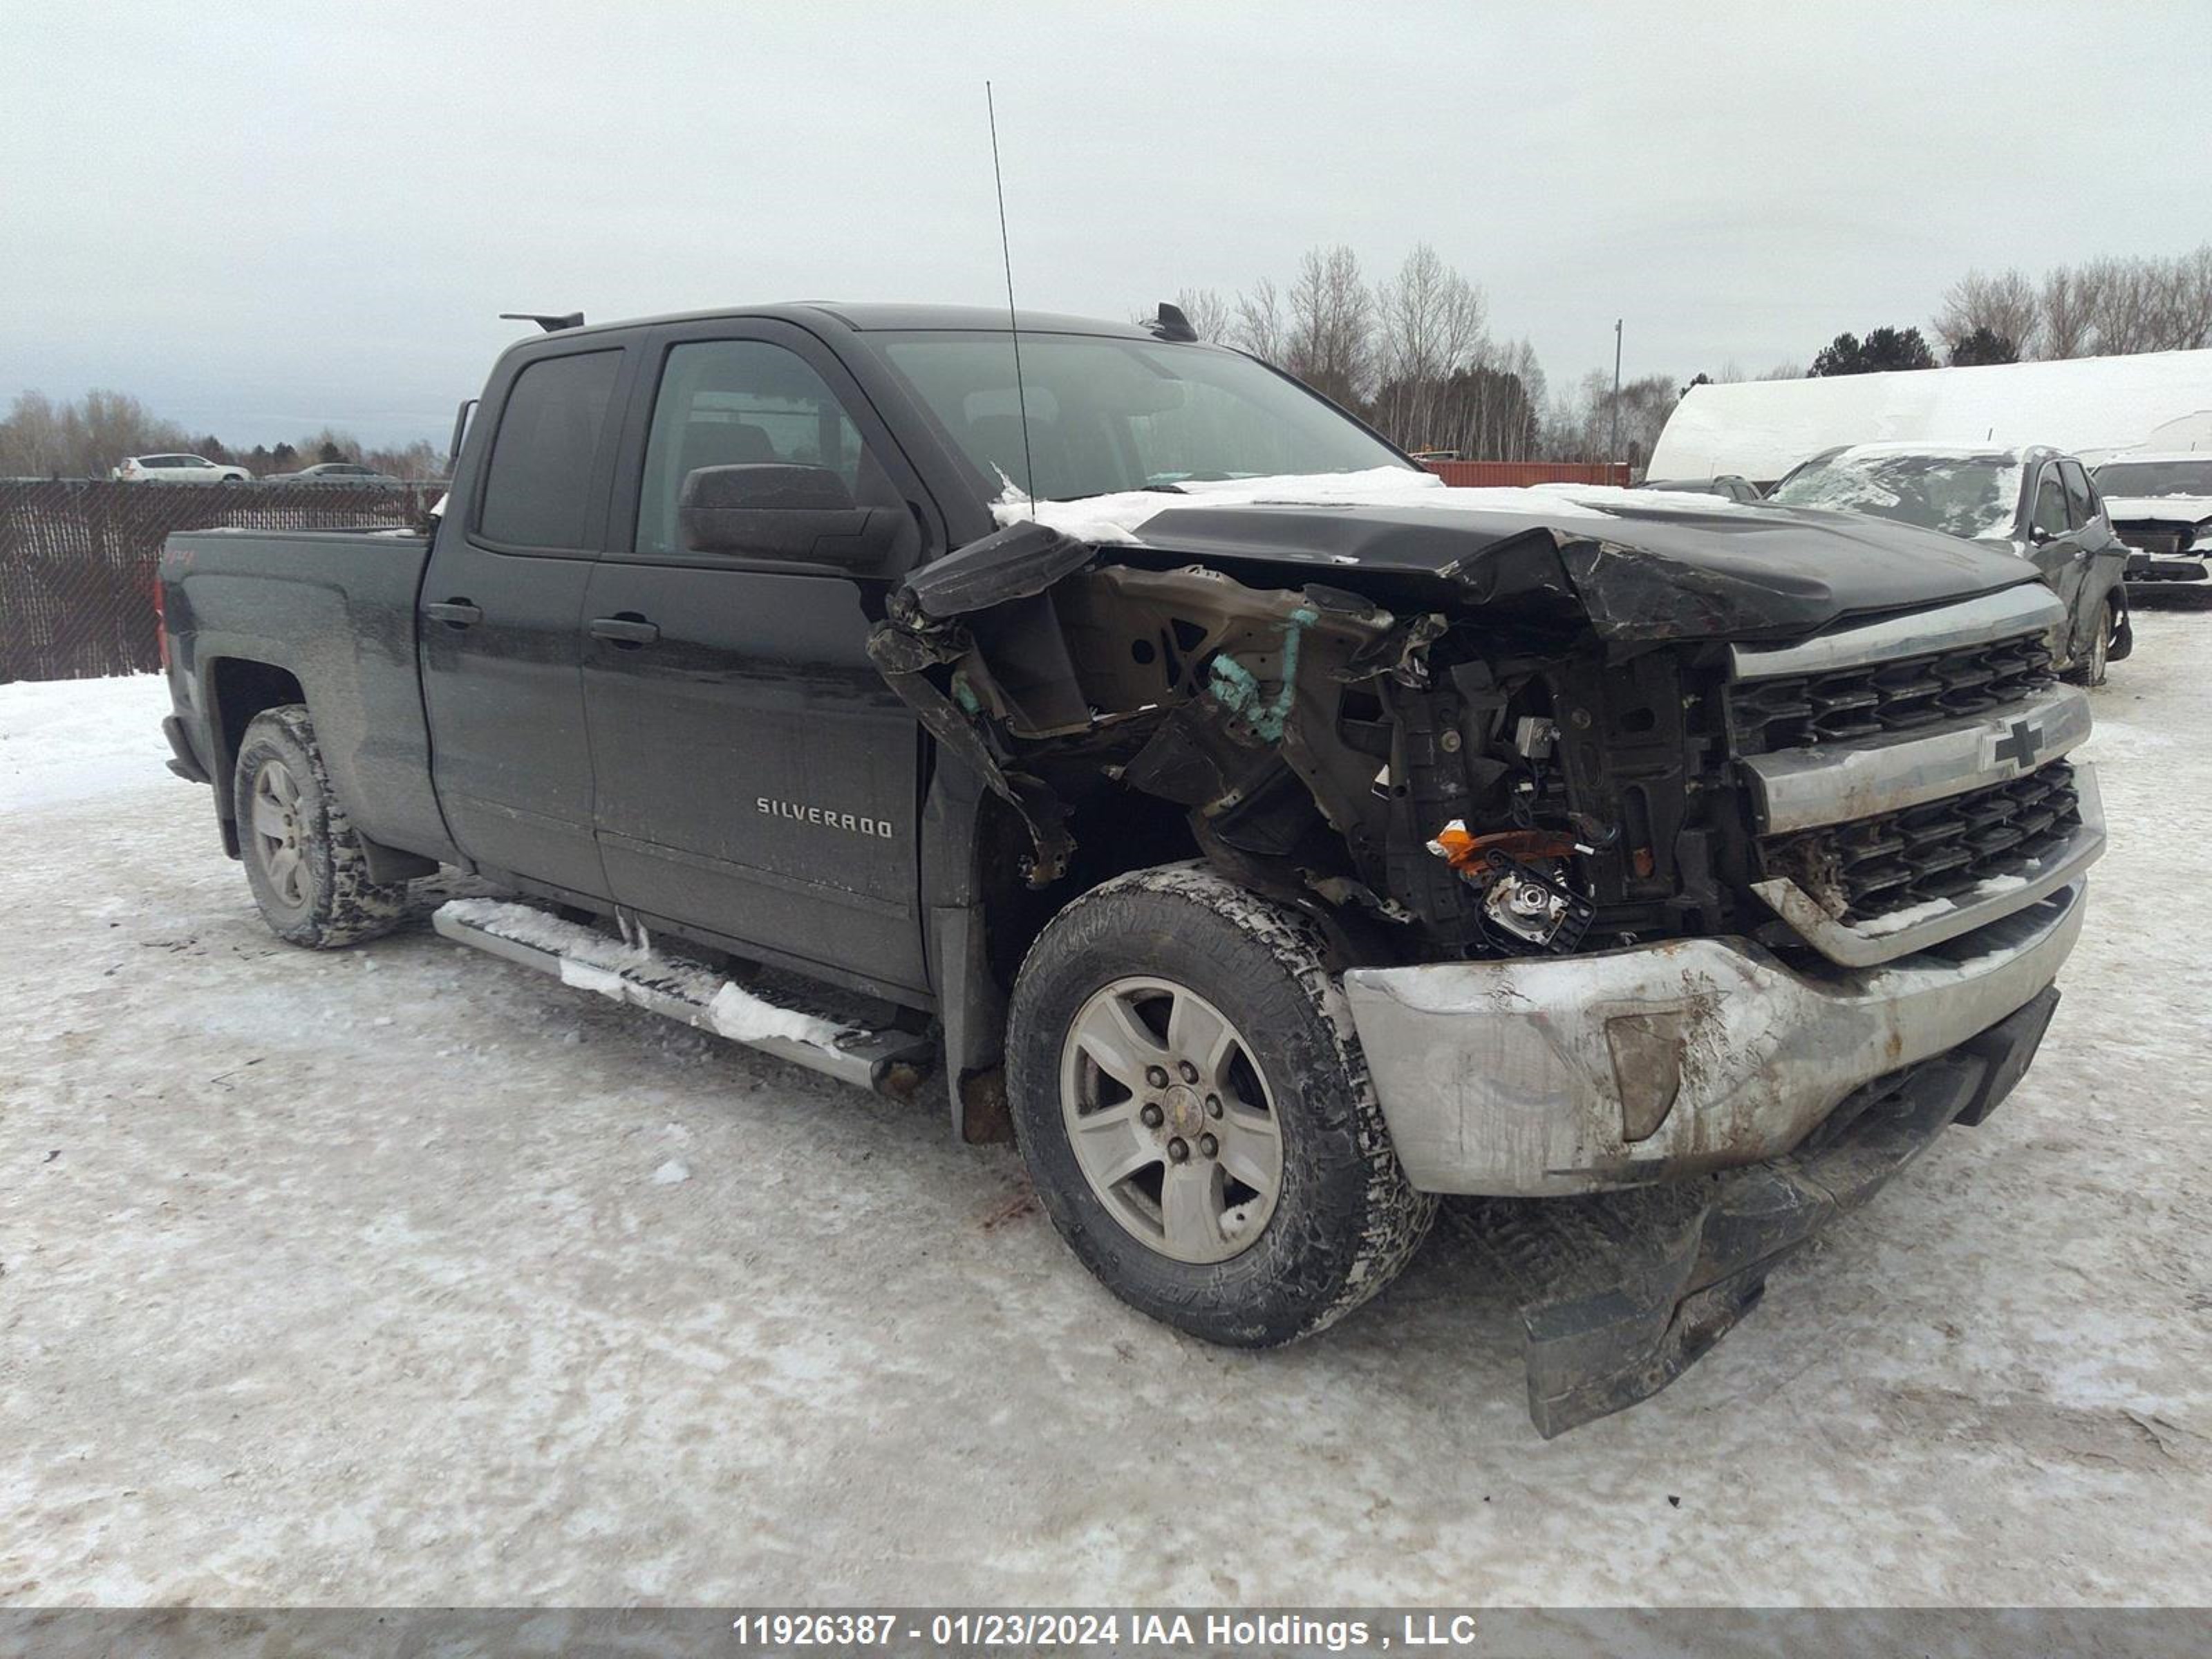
(1622, 1292)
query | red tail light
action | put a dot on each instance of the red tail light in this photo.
(161, 623)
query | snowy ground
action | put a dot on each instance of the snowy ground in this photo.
(406, 1276)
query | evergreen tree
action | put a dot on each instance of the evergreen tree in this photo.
(1883, 350)
(1984, 345)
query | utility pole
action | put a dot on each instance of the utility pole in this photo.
(1613, 450)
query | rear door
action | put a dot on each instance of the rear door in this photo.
(757, 781)
(500, 632)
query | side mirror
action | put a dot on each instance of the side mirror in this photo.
(796, 514)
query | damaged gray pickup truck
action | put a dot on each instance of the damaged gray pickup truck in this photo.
(1268, 838)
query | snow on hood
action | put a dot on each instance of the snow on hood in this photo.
(2179, 508)
(1119, 516)
(1607, 496)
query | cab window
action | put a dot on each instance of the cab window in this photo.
(2080, 498)
(2051, 511)
(738, 403)
(538, 488)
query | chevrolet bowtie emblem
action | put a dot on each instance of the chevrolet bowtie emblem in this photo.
(2021, 745)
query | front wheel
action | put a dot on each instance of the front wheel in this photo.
(2089, 668)
(304, 862)
(1195, 1112)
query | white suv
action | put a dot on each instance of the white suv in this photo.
(178, 469)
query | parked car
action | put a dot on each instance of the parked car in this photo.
(2034, 502)
(1268, 847)
(1733, 486)
(2161, 506)
(177, 469)
(350, 472)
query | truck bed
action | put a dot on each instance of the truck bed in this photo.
(336, 609)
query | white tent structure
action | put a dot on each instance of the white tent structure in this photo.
(2093, 406)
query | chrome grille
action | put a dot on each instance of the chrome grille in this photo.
(1875, 698)
(1874, 866)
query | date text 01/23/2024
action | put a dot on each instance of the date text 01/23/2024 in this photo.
(1078, 1631)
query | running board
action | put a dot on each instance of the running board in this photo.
(675, 988)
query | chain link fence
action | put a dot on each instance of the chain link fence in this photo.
(77, 558)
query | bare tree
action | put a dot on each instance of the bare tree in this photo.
(2196, 269)
(1259, 328)
(1580, 427)
(1331, 345)
(2117, 294)
(2006, 304)
(1428, 324)
(2064, 328)
(1206, 311)
(1511, 432)
(2184, 302)
(2113, 306)
(42, 439)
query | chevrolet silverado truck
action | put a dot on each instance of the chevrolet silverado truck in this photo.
(1267, 838)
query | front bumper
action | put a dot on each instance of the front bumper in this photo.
(2156, 569)
(1621, 1293)
(1539, 1077)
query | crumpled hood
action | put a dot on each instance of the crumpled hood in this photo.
(1645, 565)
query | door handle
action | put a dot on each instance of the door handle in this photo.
(627, 632)
(454, 613)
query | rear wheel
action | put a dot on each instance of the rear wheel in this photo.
(1196, 1113)
(303, 861)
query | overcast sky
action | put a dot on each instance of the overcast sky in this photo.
(260, 219)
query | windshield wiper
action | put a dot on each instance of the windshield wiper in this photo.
(1150, 489)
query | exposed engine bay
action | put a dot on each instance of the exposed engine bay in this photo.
(1439, 774)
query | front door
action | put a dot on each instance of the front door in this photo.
(502, 605)
(2057, 552)
(756, 780)
(2104, 556)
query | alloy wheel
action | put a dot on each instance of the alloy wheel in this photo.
(1172, 1120)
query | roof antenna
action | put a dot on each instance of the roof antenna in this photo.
(1013, 325)
(545, 319)
(1172, 324)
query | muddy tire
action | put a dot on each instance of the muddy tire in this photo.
(1196, 1114)
(303, 861)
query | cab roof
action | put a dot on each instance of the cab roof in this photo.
(884, 316)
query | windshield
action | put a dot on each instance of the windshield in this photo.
(1108, 415)
(2140, 478)
(1963, 495)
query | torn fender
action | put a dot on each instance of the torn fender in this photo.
(905, 654)
(1018, 650)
